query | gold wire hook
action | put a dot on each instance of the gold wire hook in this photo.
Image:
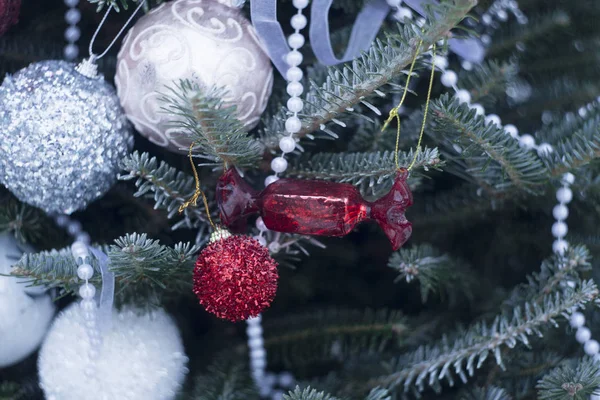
(197, 192)
(426, 109)
(394, 111)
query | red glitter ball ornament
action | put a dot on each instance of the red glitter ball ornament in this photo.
(235, 277)
(9, 14)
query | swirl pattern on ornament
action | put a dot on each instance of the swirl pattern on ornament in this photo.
(198, 40)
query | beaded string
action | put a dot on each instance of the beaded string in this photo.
(87, 291)
(400, 13)
(72, 33)
(287, 144)
(294, 75)
(293, 125)
(79, 248)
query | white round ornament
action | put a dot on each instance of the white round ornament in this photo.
(25, 313)
(203, 41)
(62, 136)
(140, 356)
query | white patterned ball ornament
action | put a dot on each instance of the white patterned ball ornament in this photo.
(204, 41)
(25, 312)
(141, 356)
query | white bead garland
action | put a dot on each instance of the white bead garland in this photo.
(279, 164)
(265, 382)
(72, 33)
(463, 96)
(449, 78)
(294, 74)
(87, 291)
(270, 179)
(287, 144)
(401, 14)
(583, 334)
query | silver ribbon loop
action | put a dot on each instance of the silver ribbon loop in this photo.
(364, 31)
(368, 23)
(107, 295)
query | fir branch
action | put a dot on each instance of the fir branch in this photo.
(110, 3)
(168, 187)
(150, 266)
(355, 81)
(24, 390)
(378, 394)
(54, 268)
(573, 381)
(307, 394)
(143, 268)
(370, 138)
(430, 364)
(558, 95)
(526, 368)
(459, 205)
(484, 393)
(225, 379)
(19, 50)
(468, 349)
(218, 135)
(124, 3)
(27, 223)
(332, 335)
(367, 170)
(535, 31)
(576, 151)
(434, 271)
(554, 273)
(9, 391)
(487, 80)
(493, 158)
(560, 127)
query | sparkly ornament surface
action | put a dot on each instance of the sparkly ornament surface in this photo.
(235, 278)
(199, 40)
(25, 313)
(315, 207)
(9, 14)
(62, 136)
(140, 357)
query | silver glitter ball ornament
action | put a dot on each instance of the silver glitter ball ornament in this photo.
(62, 135)
(203, 41)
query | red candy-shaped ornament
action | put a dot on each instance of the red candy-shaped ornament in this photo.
(315, 207)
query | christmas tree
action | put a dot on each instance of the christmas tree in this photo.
(384, 200)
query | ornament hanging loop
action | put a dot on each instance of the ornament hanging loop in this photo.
(88, 66)
(197, 191)
(412, 164)
(394, 111)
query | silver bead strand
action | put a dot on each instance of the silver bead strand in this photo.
(294, 75)
(72, 33)
(87, 291)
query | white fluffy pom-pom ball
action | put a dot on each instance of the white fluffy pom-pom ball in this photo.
(25, 313)
(141, 356)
